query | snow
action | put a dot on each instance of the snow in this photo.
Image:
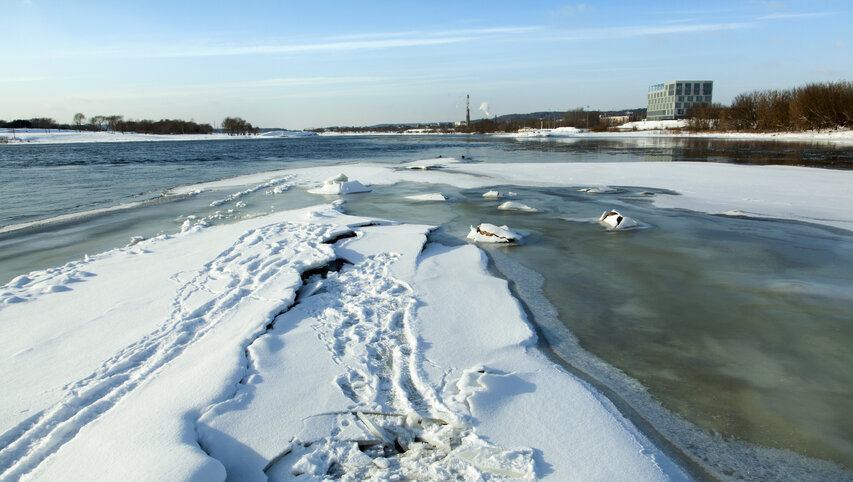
(434, 196)
(517, 206)
(54, 136)
(615, 221)
(632, 130)
(340, 184)
(650, 125)
(205, 354)
(489, 233)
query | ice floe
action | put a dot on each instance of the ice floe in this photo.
(613, 220)
(517, 206)
(601, 190)
(340, 184)
(436, 196)
(492, 195)
(490, 233)
(278, 186)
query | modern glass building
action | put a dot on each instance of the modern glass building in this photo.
(670, 100)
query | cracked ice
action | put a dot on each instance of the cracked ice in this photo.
(189, 357)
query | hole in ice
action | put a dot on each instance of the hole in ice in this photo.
(344, 235)
(323, 271)
(335, 470)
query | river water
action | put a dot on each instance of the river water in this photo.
(729, 337)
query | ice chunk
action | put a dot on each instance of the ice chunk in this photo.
(517, 206)
(340, 184)
(600, 190)
(436, 196)
(489, 233)
(613, 220)
(493, 195)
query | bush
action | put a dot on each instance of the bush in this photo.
(813, 106)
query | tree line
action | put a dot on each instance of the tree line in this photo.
(117, 123)
(236, 126)
(810, 107)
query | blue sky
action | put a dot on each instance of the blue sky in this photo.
(312, 64)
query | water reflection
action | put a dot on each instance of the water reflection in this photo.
(668, 149)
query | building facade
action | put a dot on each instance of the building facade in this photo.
(671, 100)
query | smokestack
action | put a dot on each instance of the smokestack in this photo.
(467, 110)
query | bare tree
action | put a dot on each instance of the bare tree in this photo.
(79, 119)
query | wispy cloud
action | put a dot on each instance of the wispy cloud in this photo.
(651, 30)
(778, 16)
(351, 43)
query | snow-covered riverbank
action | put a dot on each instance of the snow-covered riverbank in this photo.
(633, 130)
(54, 136)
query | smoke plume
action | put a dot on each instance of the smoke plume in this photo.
(485, 108)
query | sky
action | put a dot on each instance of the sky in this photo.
(344, 63)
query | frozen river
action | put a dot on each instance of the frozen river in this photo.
(725, 336)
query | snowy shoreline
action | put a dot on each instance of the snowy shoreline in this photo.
(55, 136)
(654, 129)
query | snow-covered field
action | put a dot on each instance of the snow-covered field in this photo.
(316, 343)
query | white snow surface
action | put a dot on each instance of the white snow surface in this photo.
(819, 196)
(517, 206)
(189, 357)
(434, 196)
(615, 221)
(159, 360)
(340, 184)
(490, 233)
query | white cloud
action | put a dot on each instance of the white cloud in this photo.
(353, 42)
(644, 30)
(779, 16)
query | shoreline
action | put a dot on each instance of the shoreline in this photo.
(40, 137)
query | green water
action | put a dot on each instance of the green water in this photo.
(740, 326)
